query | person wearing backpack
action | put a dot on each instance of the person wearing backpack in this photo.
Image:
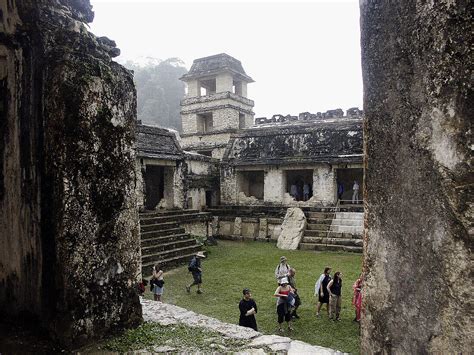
(282, 270)
(196, 270)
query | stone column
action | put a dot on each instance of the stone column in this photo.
(69, 233)
(416, 61)
(274, 185)
(324, 184)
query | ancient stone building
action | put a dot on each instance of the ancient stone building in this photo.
(417, 71)
(69, 242)
(216, 104)
(264, 163)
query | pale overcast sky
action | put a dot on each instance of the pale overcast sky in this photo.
(303, 56)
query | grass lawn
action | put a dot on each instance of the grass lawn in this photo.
(231, 266)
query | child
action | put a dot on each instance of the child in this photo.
(158, 282)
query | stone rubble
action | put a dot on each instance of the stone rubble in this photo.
(168, 314)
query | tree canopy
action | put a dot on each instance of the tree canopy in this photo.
(159, 91)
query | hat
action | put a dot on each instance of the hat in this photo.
(284, 280)
(245, 291)
(282, 258)
(200, 254)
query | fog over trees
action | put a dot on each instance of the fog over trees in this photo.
(159, 91)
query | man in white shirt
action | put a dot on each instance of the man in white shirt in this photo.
(355, 194)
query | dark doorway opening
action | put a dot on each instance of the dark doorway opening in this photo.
(154, 186)
(251, 183)
(299, 184)
(346, 178)
(208, 198)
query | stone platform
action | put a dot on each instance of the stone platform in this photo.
(258, 343)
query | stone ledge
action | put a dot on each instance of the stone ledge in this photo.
(167, 314)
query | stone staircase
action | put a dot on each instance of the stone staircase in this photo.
(326, 231)
(164, 240)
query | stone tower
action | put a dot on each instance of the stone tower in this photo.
(216, 104)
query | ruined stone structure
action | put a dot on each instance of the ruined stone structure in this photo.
(417, 69)
(69, 242)
(216, 104)
(261, 164)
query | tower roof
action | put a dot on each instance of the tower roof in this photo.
(215, 64)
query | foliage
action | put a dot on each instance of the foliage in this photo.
(231, 266)
(159, 91)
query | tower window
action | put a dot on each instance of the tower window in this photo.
(241, 120)
(205, 123)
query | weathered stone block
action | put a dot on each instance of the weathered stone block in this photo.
(416, 58)
(292, 229)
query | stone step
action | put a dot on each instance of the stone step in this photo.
(347, 229)
(330, 247)
(319, 215)
(168, 246)
(168, 254)
(348, 222)
(161, 232)
(319, 221)
(159, 226)
(173, 218)
(325, 234)
(335, 241)
(319, 227)
(166, 213)
(314, 233)
(350, 215)
(163, 239)
(166, 264)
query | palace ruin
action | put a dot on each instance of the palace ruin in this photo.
(76, 169)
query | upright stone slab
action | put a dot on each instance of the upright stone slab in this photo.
(417, 68)
(263, 229)
(69, 241)
(237, 227)
(292, 229)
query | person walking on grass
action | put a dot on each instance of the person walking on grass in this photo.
(282, 270)
(285, 301)
(196, 270)
(292, 282)
(248, 309)
(335, 295)
(320, 290)
(158, 282)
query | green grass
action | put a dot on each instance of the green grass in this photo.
(182, 338)
(231, 266)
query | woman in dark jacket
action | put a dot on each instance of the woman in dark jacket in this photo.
(248, 309)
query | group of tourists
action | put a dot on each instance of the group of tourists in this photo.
(327, 289)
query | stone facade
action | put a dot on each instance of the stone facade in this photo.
(69, 240)
(417, 67)
(272, 156)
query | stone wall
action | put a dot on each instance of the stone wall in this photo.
(224, 106)
(69, 242)
(417, 68)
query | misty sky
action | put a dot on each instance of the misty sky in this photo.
(303, 56)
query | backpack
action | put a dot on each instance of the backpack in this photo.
(192, 265)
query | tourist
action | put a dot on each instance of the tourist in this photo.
(248, 309)
(306, 189)
(320, 290)
(157, 282)
(335, 287)
(292, 282)
(285, 301)
(355, 194)
(282, 269)
(196, 270)
(357, 298)
(340, 190)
